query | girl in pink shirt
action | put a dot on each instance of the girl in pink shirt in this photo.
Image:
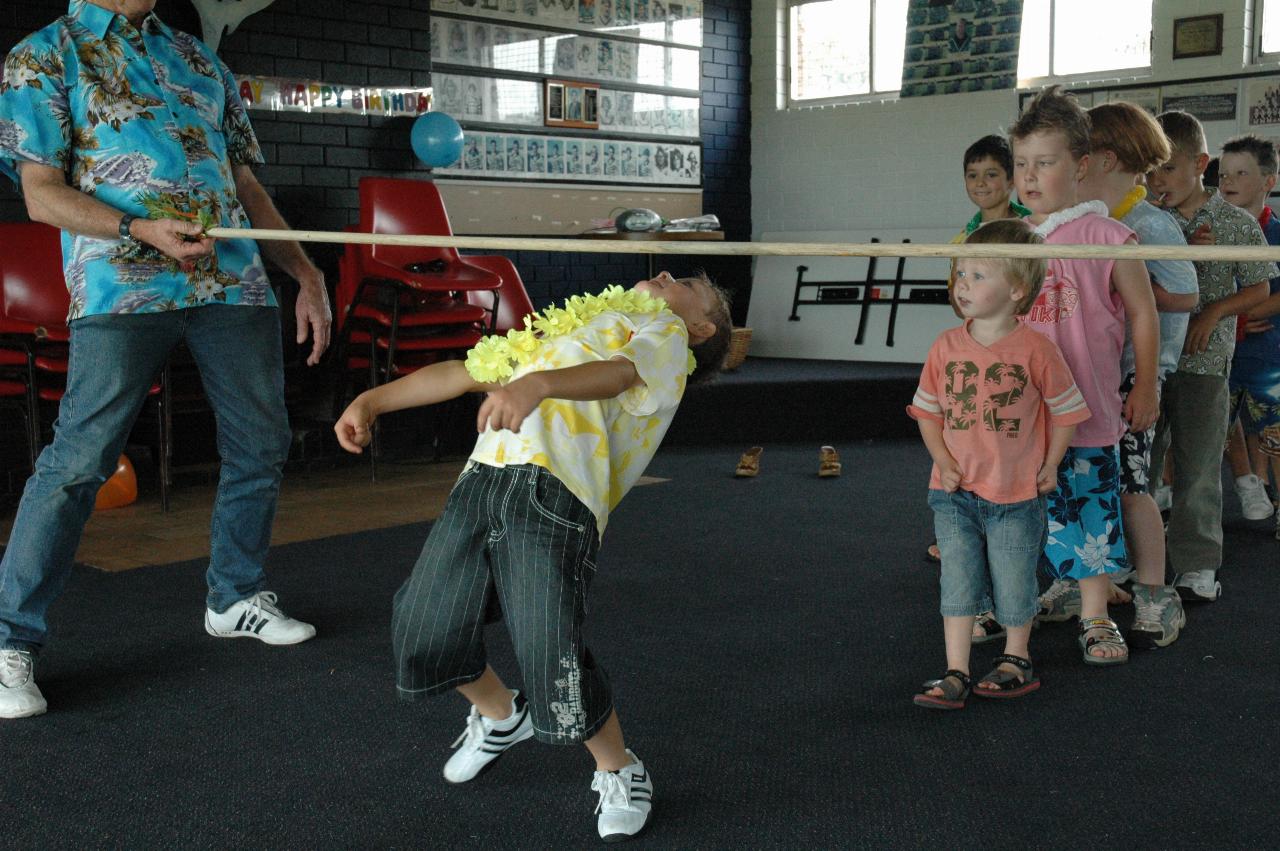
(1082, 307)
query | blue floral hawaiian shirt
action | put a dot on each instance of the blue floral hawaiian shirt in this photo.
(150, 122)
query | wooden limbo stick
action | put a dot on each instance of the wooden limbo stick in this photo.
(769, 249)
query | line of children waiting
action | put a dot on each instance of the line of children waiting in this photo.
(1124, 328)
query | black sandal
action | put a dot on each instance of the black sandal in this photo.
(955, 687)
(1008, 684)
(991, 629)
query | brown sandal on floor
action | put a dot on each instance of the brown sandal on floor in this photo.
(955, 687)
(749, 463)
(828, 463)
(1008, 684)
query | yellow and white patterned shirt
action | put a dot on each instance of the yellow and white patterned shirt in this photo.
(600, 449)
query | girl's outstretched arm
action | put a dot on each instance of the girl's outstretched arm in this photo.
(429, 385)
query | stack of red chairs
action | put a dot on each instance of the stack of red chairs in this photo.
(33, 337)
(400, 308)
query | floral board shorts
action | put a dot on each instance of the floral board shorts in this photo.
(1086, 536)
(1135, 450)
(1255, 398)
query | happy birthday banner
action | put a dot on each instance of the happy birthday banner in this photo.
(284, 95)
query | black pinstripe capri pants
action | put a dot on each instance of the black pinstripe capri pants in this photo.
(516, 537)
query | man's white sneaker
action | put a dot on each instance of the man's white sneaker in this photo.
(1198, 585)
(484, 740)
(626, 799)
(20, 697)
(257, 617)
(1253, 498)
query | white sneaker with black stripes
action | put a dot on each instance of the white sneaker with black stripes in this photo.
(484, 740)
(257, 617)
(626, 799)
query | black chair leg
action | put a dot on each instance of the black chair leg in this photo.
(165, 429)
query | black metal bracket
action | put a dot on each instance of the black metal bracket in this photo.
(862, 294)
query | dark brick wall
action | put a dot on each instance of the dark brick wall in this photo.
(316, 161)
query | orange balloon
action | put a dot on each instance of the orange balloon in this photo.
(120, 489)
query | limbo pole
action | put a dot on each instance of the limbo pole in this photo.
(1214, 253)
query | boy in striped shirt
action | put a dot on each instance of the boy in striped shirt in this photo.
(997, 409)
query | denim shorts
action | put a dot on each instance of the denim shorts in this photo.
(989, 555)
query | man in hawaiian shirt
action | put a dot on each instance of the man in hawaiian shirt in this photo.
(131, 138)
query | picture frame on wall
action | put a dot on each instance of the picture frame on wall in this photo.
(555, 103)
(1200, 35)
(570, 104)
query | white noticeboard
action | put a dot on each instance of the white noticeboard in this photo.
(827, 332)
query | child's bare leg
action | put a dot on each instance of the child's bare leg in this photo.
(1144, 536)
(1094, 591)
(957, 632)
(607, 746)
(1258, 459)
(1238, 452)
(1017, 642)
(489, 695)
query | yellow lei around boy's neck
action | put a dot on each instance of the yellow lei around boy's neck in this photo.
(1130, 200)
(496, 357)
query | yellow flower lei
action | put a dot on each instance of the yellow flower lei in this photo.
(496, 357)
(1130, 200)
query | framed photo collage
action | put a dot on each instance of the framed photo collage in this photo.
(601, 91)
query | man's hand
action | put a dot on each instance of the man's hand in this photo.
(949, 475)
(355, 427)
(507, 407)
(1199, 329)
(313, 313)
(174, 238)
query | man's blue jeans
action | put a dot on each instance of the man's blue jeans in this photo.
(113, 363)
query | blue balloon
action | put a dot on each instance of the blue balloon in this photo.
(436, 139)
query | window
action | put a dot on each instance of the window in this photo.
(844, 48)
(1063, 37)
(1269, 30)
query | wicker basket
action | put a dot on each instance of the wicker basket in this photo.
(739, 342)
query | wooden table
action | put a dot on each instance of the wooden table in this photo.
(661, 236)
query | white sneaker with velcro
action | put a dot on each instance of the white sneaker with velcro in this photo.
(484, 740)
(626, 800)
(257, 617)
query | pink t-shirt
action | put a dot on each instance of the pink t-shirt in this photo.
(996, 404)
(1078, 310)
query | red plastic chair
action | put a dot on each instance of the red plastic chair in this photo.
(400, 307)
(34, 303)
(394, 205)
(509, 304)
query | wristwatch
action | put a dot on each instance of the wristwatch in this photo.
(125, 221)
